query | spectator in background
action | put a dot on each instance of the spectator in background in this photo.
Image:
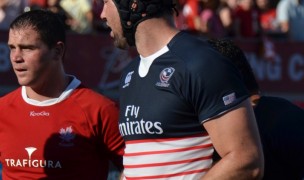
(81, 15)
(54, 6)
(180, 20)
(191, 14)
(226, 13)
(210, 22)
(290, 15)
(9, 10)
(269, 28)
(280, 122)
(37, 4)
(268, 21)
(246, 16)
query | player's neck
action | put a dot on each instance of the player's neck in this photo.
(152, 35)
(50, 89)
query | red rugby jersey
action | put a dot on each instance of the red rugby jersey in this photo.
(72, 139)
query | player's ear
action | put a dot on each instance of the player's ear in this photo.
(59, 50)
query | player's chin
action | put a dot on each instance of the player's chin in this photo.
(121, 43)
(23, 81)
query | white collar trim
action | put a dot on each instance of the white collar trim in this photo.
(65, 94)
(145, 62)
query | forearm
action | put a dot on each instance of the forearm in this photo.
(234, 166)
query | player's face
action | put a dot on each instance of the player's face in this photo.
(262, 3)
(30, 57)
(111, 16)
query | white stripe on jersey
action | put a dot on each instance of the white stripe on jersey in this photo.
(177, 158)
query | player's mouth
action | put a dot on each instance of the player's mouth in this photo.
(20, 70)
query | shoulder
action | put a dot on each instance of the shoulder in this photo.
(185, 45)
(10, 96)
(280, 105)
(184, 39)
(195, 53)
(275, 100)
(88, 98)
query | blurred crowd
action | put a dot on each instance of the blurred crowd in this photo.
(79, 16)
(280, 19)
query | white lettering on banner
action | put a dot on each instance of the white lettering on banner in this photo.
(266, 69)
(296, 73)
(5, 64)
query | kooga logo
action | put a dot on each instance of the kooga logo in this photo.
(42, 113)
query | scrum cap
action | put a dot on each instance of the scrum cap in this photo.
(132, 12)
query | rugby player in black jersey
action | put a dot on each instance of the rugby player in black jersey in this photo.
(179, 100)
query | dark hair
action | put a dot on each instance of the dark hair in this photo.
(46, 23)
(238, 58)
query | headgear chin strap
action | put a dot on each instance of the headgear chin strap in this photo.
(132, 12)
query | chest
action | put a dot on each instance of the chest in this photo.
(42, 136)
(156, 105)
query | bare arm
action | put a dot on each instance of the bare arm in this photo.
(235, 136)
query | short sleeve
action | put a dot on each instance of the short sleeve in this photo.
(215, 86)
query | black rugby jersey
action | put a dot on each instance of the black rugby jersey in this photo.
(162, 113)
